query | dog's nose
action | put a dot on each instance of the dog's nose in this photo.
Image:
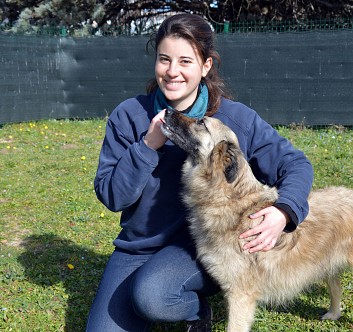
(168, 111)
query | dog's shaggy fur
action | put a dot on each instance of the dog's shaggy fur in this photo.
(221, 192)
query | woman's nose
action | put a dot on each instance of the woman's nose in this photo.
(173, 69)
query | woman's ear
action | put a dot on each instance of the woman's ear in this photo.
(207, 66)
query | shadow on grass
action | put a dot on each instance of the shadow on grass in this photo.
(47, 260)
(309, 311)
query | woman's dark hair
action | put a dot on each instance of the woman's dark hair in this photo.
(197, 31)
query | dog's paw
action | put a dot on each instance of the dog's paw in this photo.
(331, 315)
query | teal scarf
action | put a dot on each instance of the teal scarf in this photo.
(196, 111)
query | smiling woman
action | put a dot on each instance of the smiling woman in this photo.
(191, 39)
(179, 70)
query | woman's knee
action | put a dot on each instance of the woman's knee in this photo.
(151, 297)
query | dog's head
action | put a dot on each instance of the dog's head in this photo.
(206, 140)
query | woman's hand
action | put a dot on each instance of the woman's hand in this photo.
(154, 137)
(268, 231)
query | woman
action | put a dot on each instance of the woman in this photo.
(153, 274)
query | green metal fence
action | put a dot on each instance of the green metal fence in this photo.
(285, 26)
(226, 27)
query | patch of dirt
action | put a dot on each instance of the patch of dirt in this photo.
(13, 235)
(69, 146)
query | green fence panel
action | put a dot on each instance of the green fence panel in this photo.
(287, 77)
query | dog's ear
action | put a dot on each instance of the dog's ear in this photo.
(230, 164)
(225, 153)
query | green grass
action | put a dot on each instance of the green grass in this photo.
(55, 237)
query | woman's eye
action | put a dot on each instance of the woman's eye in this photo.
(163, 59)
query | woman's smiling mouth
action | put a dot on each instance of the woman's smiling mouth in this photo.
(173, 84)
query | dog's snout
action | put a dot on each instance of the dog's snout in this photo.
(169, 113)
(174, 118)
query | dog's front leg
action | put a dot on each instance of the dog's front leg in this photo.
(241, 311)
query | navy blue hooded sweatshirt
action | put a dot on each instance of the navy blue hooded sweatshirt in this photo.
(145, 184)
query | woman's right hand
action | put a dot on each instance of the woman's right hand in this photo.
(154, 137)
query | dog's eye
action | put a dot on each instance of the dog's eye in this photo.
(200, 122)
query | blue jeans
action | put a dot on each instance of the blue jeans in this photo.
(137, 290)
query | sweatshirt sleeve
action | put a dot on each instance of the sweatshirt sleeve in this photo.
(125, 164)
(276, 162)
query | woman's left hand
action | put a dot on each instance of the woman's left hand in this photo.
(268, 231)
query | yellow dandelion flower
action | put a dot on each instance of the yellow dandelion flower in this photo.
(83, 158)
(8, 147)
(47, 147)
(70, 266)
(102, 215)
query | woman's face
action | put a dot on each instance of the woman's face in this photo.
(179, 69)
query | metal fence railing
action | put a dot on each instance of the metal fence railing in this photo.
(226, 27)
(285, 26)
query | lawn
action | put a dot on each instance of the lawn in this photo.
(55, 237)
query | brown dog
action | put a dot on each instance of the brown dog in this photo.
(221, 192)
